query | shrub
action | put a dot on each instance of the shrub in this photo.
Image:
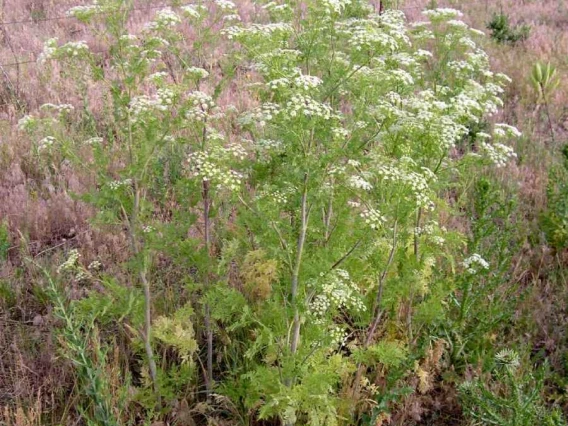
(503, 32)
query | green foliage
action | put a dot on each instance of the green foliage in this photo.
(512, 397)
(503, 32)
(389, 354)
(82, 345)
(5, 243)
(554, 220)
(483, 301)
(114, 304)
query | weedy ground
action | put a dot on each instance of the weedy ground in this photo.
(41, 221)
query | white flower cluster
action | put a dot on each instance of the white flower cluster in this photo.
(117, 184)
(209, 167)
(505, 130)
(427, 229)
(499, 154)
(144, 107)
(305, 105)
(232, 18)
(474, 262)
(46, 143)
(367, 37)
(226, 5)
(84, 13)
(157, 77)
(400, 77)
(442, 14)
(278, 196)
(457, 24)
(190, 11)
(438, 240)
(49, 50)
(334, 6)
(276, 61)
(82, 276)
(94, 141)
(373, 218)
(254, 32)
(95, 265)
(166, 19)
(468, 107)
(340, 133)
(403, 59)
(261, 115)
(277, 9)
(267, 148)
(197, 73)
(236, 150)
(301, 82)
(416, 182)
(128, 38)
(337, 291)
(73, 48)
(358, 182)
(60, 109)
(70, 49)
(269, 145)
(338, 335)
(201, 104)
(384, 33)
(70, 263)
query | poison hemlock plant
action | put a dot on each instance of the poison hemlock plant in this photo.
(305, 215)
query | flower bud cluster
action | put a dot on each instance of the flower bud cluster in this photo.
(191, 11)
(200, 106)
(60, 109)
(307, 106)
(144, 107)
(255, 32)
(70, 263)
(415, 182)
(337, 291)
(117, 184)
(213, 166)
(261, 115)
(166, 19)
(373, 218)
